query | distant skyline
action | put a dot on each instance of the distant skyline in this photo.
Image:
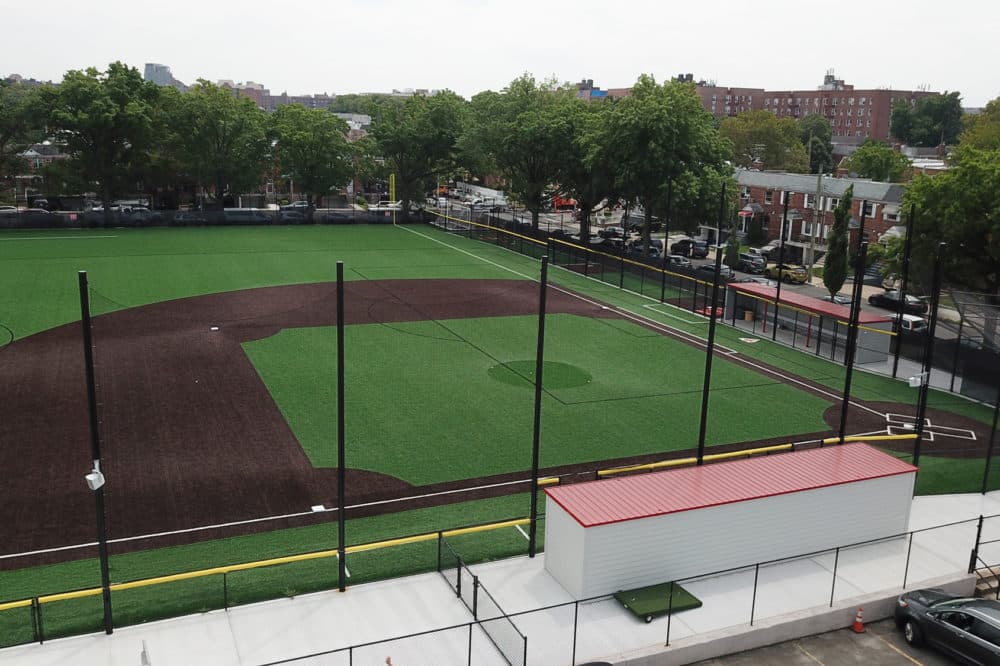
(468, 46)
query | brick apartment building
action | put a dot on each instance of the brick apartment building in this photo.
(854, 115)
(762, 197)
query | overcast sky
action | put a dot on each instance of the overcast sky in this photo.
(345, 46)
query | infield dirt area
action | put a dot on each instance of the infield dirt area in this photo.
(191, 436)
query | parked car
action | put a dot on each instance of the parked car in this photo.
(639, 250)
(301, 204)
(724, 271)
(188, 217)
(678, 261)
(690, 247)
(751, 263)
(839, 299)
(292, 217)
(910, 325)
(967, 630)
(787, 273)
(890, 300)
(612, 232)
(385, 205)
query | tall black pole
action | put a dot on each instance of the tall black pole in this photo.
(539, 363)
(781, 262)
(852, 335)
(925, 374)
(710, 348)
(993, 439)
(666, 240)
(341, 453)
(95, 450)
(911, 228)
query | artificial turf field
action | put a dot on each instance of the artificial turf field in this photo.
(203, 427)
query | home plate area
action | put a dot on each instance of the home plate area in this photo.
(902, 424)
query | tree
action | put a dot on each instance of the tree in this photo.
(817, 137)
(222, 140)
(934, 120)
(522, 133)
(586, 171)
(663, 140)
(311, 147)
(983, 129)
(20, 125)
(763, 137)
(418, 140)
(835, 264)
(878, 161)
(960, 207)
(105, 121)
(732, 257)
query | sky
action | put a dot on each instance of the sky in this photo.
(353, 46)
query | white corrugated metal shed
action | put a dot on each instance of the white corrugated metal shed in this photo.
(604, 536)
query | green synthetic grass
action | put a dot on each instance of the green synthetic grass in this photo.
(421, 393)
(654, 600)
(197, 595)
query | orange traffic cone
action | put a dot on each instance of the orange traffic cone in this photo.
(859, 624)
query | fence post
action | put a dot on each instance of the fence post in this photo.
(753, 599)
(225, 590)
(819, 335)
(621, 268)
(833, 342)
(458, 583)
(439, 552)
(36, 620)
(906, 567)
(833, 584)
(475, 597)
(795, 328)
(470, 643)
(670, 611)
(576, 616)
(975, 547)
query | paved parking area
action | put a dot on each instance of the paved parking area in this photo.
(881, 645)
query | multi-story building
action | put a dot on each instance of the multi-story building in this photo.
(811, 202)
(161, 76)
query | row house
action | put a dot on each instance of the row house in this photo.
(811, 202)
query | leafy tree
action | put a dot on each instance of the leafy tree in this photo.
(878, 161)
(835, 265)
(418, 140)
(522, 133)
(817, 137)
(934, 120)
(983, 129)
(105, 120)
(311, 147)
(586, 170)
(661, 134)
(360, 103)
(761, 136)
(732, 257)
(960, 207)
(222, 140)
(20, 125)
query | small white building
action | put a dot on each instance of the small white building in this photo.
(618, 534)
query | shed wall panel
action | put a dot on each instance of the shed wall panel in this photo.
(674, 546)
(564, 545)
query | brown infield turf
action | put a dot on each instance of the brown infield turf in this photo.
(191, 436)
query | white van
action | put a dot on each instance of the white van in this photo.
(912, 325)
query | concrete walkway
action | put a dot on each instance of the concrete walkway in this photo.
(792, 599)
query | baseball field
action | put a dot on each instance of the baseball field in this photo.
(216, 366)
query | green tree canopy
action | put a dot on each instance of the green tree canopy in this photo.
(521, 132)
(311, 148)
(418, 140)
(878, 161)
(983, 129)
(20, 125)
(761, 136)
(835, 262)
(932, 121)
(221, 140)
(662, 138)
(105, 120)
(817, 137)
(960, 207)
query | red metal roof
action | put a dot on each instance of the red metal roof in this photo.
(658, 493)
(807, 303)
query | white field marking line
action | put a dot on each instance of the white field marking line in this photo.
(654, 307)
(27, 238)
(266, 518)
(690, 338)
(523, 533)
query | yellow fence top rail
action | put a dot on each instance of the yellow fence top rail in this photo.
(679, 462)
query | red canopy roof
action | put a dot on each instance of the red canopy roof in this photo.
(628, 498)
(807, 303)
